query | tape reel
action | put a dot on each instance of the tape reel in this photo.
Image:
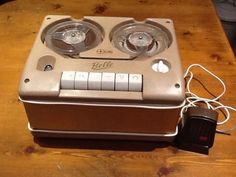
(140, 39)
(72, 37)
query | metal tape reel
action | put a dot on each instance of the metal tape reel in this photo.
(140, 39)
(72, 37)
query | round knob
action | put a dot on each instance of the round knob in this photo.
(140, 41)
(73, 36)
(160, 66)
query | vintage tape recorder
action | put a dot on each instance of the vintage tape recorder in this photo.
(104, 77)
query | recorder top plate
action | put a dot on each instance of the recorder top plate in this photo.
(104, 59)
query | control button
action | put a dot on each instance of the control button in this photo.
(95, 81)
(81, 80)
(122, 82)
(161, 66)
(135, 82)
(108, 81)
(67, 80)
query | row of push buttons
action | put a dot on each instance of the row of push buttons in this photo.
(101, 81)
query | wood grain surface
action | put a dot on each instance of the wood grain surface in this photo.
(201, 40)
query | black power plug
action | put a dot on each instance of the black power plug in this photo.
(197, 133)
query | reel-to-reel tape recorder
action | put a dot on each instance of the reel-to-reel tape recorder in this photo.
(104, 77)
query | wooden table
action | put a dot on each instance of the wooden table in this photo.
(201, 40)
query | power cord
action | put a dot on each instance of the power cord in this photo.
(192, 99)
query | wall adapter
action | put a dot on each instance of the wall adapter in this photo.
(197, 132)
